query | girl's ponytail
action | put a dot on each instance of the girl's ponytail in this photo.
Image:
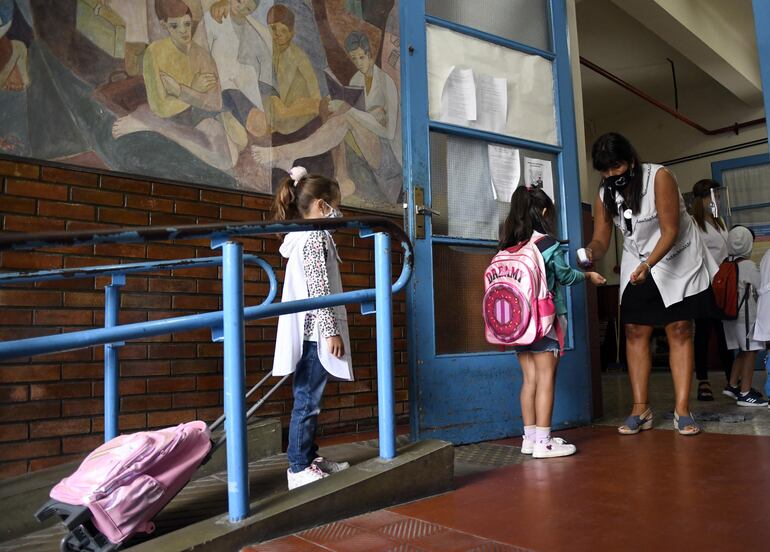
(285, 204)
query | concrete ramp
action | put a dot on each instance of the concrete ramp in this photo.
(197, 518)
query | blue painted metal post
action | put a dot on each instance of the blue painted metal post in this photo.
(234, 385)
(111, 376)
(385, 395)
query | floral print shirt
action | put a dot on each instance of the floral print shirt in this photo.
(314, 262)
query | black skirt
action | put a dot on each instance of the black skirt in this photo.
(642, 304)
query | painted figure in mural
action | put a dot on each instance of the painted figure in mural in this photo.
(142, 27)
(242, 49)
(299, 96)
(14, 73)
(216, 78)
(373, 133)
(183, 93)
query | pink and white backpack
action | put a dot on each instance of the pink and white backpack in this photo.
(518, 307)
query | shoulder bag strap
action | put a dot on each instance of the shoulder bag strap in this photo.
(746, 313)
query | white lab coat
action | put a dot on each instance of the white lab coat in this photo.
(686, 269)
(762, 326)
(291, 327)
(715, 240)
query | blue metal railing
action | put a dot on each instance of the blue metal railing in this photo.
(112, 307)
(228, 324)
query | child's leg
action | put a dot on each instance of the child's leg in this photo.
(545, 446)
(528, 383)
(309, 382)
(545, 368)
(748, 358)
(737, 371)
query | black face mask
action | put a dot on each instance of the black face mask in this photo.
(619, 181)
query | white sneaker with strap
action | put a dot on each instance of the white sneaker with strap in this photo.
(309, 475)
(552, 448)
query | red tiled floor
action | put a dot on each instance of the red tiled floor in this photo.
(286, 544)
(653, 491)
(411, 529)
(656, 490)
(363, 541)
(330, 533)
(449, 541)
(374, 520)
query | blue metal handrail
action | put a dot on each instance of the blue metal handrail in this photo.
(112, 306)
(228, 324)
(129, 268)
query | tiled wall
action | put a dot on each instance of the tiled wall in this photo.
(51, 406)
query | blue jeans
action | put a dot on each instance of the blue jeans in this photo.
(308, 387)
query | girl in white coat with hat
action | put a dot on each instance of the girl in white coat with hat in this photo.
(314, 344)
(739, 332)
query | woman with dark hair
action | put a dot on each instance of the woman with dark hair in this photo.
(713, 232)
(665, 280)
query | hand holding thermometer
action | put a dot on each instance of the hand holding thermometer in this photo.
(584, 260)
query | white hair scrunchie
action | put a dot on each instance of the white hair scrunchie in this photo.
(297, 174)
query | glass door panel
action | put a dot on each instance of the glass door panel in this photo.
(525, 21)
(480, 85)
(471, 206)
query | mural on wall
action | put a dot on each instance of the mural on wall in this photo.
(229, 93)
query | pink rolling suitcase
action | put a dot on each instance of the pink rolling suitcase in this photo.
(119, 488)
(124, 483)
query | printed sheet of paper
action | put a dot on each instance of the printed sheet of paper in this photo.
(504, 170)
(458, 98)
(491, 103)
(538, 172)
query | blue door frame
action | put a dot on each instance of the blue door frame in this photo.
(473, 397)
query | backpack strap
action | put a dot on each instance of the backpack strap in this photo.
(559, 335)
(543, 243)
(746, 313)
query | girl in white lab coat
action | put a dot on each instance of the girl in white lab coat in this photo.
(313, 344)
(762, 327)
(713, 233)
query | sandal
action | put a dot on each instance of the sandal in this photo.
(635, 424)
(704, 391)
(686, 425)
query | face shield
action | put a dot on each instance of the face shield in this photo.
(719, 205)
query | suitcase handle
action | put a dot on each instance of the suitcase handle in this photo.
(250, 412)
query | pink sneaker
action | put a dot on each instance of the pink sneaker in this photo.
(309, 475)
(527, 445)
(553, 447)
